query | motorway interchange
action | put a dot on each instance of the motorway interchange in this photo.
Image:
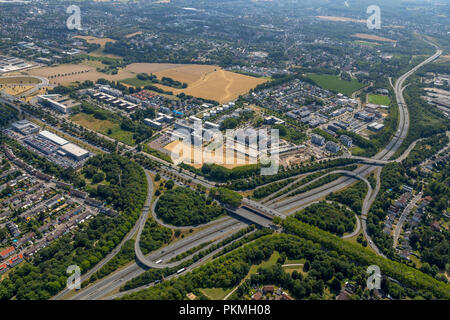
(249, 213)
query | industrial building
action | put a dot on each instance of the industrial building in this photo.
(75, 151)
(53, 138)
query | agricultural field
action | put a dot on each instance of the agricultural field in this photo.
(372, 37)
(102, 42)
(340, 19)
(23, 80)
(335, 84)
(379, 99)
(204, 81)
(105, 127)
(66, 74)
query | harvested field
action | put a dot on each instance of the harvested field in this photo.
(340, 19)
(100, 41)
(131, 35)
(19, 80)
(69, 73)
(15, 90)
(443, 59)
(372, 37)
(204, 81)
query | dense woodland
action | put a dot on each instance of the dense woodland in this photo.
(331, 217)
(186, 207)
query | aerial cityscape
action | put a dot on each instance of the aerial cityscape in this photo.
(228, 150)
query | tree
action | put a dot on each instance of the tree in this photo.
(169, 184)
(306, 266)
(335, 286)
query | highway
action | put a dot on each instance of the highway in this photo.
(364, 170)
(117, 279)
(130, 235)
(384, 155)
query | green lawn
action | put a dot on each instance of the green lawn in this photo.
(366, 43)
(135, 82)
(379, 99)
(335, 84)
(215, 293)
(357, 151)
(104, 127)
(270, 262)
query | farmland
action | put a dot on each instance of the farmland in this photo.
(372, 37)
(66, 74)
(204, 81)
(335, 84)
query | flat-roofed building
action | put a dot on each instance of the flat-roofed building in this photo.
(58, 102)
(75, 151)
(25, 127)
(53, 138)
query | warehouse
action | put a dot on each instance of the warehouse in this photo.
(53, 138)
(75, 151)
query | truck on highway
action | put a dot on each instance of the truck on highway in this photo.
(159, 261)
(181, 270)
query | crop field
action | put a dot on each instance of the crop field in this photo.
(340, 19)
(100, 41)
(379, 99)
(204, 81)
(66, 74)
(334, 83)
(105, 127)
(372, 37)
(19, 80)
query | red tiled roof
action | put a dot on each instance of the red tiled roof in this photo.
(7, 251)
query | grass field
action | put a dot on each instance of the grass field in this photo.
(135, 82)
(335, 84)
(379, 99)
(19, 80)
(215, 293)
(103, 127)
(270, 262)
(367, 43)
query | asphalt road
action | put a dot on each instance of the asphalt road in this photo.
(114, 281)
